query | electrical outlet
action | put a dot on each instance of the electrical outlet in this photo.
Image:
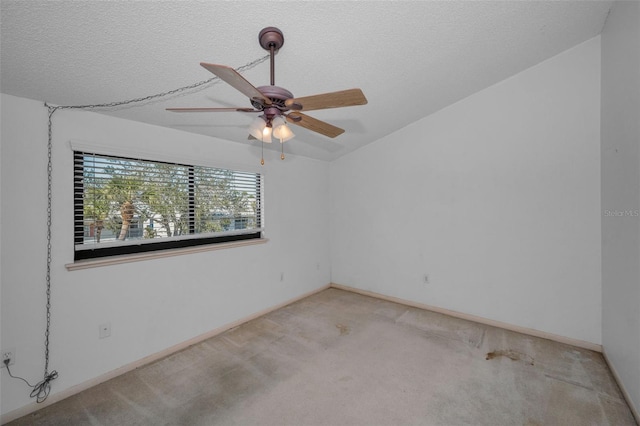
(9, 354)
(104, 330)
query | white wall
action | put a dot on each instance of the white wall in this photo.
(496, 198)
(1, 347)
(154, 304)
(621, 193)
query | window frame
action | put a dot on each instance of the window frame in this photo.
(190, 240)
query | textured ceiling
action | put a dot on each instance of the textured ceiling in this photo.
(409, 58)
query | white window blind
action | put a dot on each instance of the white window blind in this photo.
(124, 205)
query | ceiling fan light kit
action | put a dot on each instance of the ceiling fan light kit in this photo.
(260, 130)
(275, 103)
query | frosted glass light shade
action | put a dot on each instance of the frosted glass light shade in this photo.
(259, 130)
(280, 129)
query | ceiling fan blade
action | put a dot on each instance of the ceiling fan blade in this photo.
(313, 124)
(237, 81)
(211, 109)
(339, 99)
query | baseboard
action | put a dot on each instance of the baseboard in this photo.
(529, 331)
(626, 395)
(66, 393)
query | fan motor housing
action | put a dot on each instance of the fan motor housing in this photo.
(277, 95)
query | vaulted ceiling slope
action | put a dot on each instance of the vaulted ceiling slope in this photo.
(409, 58)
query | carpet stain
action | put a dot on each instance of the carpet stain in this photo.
(343, 329)
(511, 354)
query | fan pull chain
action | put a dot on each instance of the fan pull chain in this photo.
(281, 150)
(262, 154)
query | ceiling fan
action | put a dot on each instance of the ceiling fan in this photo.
(278, 105)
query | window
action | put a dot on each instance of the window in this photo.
(124, 205)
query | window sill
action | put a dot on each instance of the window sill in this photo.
(116, 260)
